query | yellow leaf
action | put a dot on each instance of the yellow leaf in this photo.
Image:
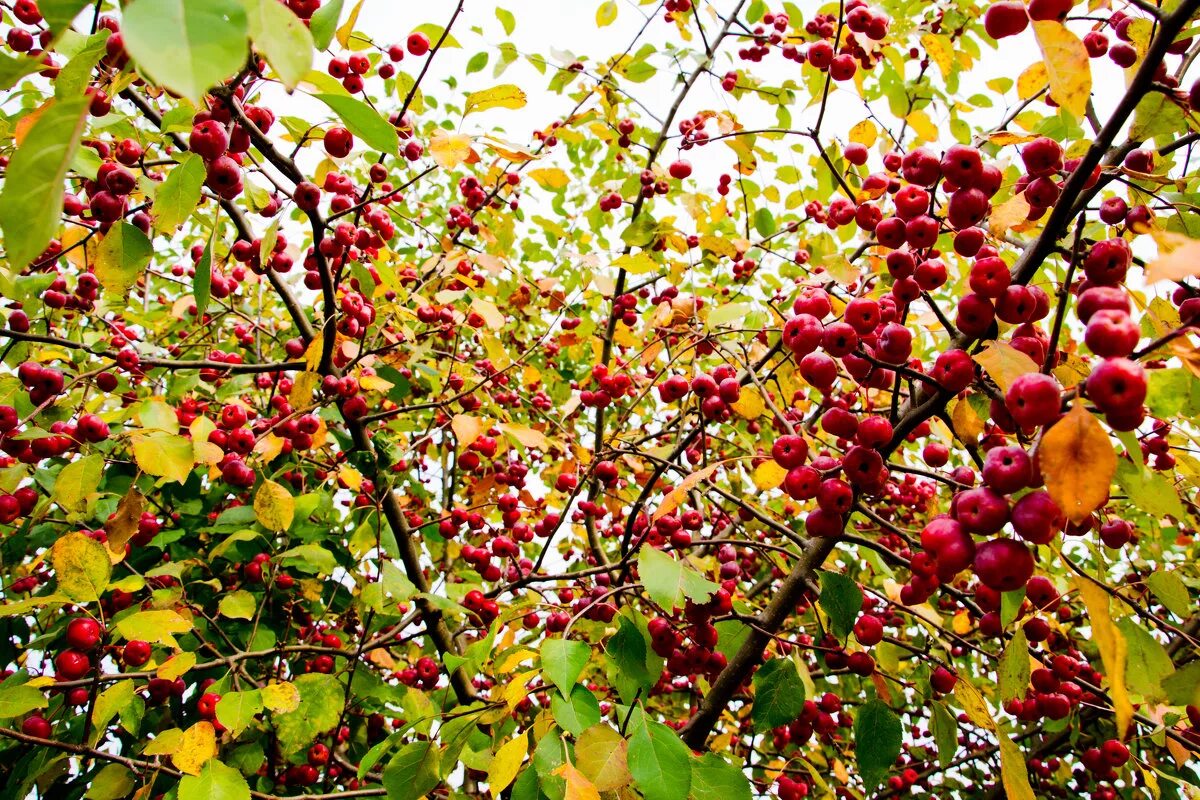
(280, 697)
(920, 122)
(606, 14)
(719, 245)
(302, 389)
(467, 428)
(343, 33)
(203, 451)
(680, 492)
(506, 763)
(165, 455)
(507, 95)
(1008, 215)
(526, 435)
(124, 523)
(578, 786)
(1111, 644)
(312, 354)
(1005, 363)
(940, 51)
(176, 666)
(1013, 772)
(1005, 138)
(769, 474)
(157, 626)
(961, 622)
(1067, 64)
(82, 567)
(973, 703)
(491, 315)
(274, 506)
(449, 149)
(749, 404)
(1033, 80)
(374, 383)
(351, 477)
(269, 447)
(198, 745)
(549, 178)
(1178, 258)
(601, 754)
(967, 425)
(864, 133)
(1078, 462)
(636, 264)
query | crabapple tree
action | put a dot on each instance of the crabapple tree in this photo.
(731, 398)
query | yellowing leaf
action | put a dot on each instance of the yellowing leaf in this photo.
(176, 666)
(507, 95)
(1005, 138)
(198, 744)
(940, 51)
(350, 476)
(549, 178)
(347, 28)
(1067, 65)
(973, 703)
(749, 404)
(578, 786)
(1178, 258)
(1008, 215)
(165, 743)
(769, 474)
(1034, 79)
(274, 506)
(601, 754)
(156, 626)
(467, 428)
(636, 264)
(606, 14)
(1005, 363)
(280, 697)
(1078, 461)
(124, 523)
(680, 492)
(1014, 774)
(449, 149)
(81, 566)
(507, 762)
(491, 315)
(864, 133)
(165, 455)
(374, 383)
(1111, 644)
(967, 424)
(526, 435)
(920, 122)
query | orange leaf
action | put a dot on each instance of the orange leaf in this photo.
(1078, 462)
(677, 495)
(1179, 258)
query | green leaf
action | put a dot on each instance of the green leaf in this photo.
(413, 771)
(841, 599)
(109, 703)
(364, 122)
(236, 710)
(123, 255)
(32, 199)
(945, 733)
(77, 482)
(778, 694)
(658, 761)
(74, 77)
(1183, 687)
(165, 455)
(669, 582)
(185, 45)
(113, 782)
(282, 39)
(61, 13)
(578, 712)
(324, 23)
(1169, 589)
(434, 32)
(507, 20)
(321, 699)
(1146, 660)
(877, 740)
(1172, 392)
(764, 222)
(18, 698)
(714, 778)
(1154, 493)
(626, 653)
(730, 312)
(477, 62)
(1014, 668)
(179, 193)
(238, 604)
(13, 69)
(1010, 606)
(202, 282)
(311, 558)
(215, 782)
(158, 626)
(563, 661)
